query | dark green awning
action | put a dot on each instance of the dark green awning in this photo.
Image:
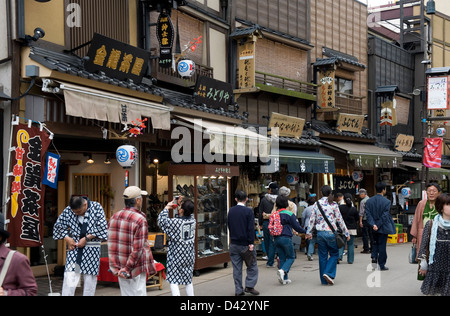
(302, 161)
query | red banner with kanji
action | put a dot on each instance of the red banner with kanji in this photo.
(432, 153)
(26, 215)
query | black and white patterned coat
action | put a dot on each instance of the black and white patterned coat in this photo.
(68, 224)
(181, 252)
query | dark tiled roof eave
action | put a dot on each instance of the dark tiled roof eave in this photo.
(73, 65)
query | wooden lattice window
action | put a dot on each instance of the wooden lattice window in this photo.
(97, 187)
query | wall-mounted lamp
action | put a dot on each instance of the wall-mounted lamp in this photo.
(156, 161)
(38, 34)
(107, 160)
(90, 160)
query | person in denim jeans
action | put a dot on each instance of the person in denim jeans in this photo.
(326, 240)
(283, 242)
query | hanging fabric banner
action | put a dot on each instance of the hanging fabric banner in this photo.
(432, 153)
(27, 192)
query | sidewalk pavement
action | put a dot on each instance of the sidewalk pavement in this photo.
(355, 279)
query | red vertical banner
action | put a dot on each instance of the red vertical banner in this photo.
(432, 153)
(26, 213)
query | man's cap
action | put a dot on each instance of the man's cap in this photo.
(272, 185)
(362, 191)
(133, 192)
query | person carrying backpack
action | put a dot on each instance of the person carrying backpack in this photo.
(281, 224)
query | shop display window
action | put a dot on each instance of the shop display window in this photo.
(209, 188)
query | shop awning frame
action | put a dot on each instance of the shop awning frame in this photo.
(229, 139)
(90, 103)
(436, 172)
(303, 161)
(366, 155)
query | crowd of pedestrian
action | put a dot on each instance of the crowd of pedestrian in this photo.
(330, 224)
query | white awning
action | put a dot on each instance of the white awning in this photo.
(229, 139)
(104, 106)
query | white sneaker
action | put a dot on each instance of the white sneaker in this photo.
(288, 281)
(329, 280)
(280, 274)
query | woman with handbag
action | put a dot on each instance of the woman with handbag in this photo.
(326, 218)
(434, 251)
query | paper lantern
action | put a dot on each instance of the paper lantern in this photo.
(357, 176)
(441, 132)
(292, 179)
(406, 192)
(126, 156)
(186, 68)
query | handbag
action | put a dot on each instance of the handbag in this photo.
(340, 237)
(413, 254)
(421, 277)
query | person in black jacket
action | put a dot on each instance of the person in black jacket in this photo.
(351, 218)
(241, 224)
(283, 242)
(265, 209)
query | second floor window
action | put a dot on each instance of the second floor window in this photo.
(344, 86)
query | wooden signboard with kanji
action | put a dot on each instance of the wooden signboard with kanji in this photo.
(350, 123)
(246, 54)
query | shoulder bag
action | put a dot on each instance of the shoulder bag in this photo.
(6, 267)
(340, 237)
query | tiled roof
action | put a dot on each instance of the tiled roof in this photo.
(73, 65)
(323, 128)
(342, 57)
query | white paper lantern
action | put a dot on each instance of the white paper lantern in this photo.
(357, 176)
(186, 68)
(441, 132)
(292, 179)
(406, 192)
(126, 156)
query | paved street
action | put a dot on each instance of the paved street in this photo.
(351, 280)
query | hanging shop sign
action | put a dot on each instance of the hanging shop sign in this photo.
(165, 34)
(116, 59)
(433, 152)
(27, 191)
(213, 93)
(327, 95)
(404, 142)
(350, 123)
(438, 93)
(344, 185)
(246, 65)
(51, 171)
(288, 126)
(388, 113)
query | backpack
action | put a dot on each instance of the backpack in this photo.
(275, 227)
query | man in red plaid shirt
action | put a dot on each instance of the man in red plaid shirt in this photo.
(130, 257)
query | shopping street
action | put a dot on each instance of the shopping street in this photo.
(351, 280)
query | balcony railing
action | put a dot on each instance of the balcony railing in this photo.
(167, 74)
(348, 103)
(285, 86)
